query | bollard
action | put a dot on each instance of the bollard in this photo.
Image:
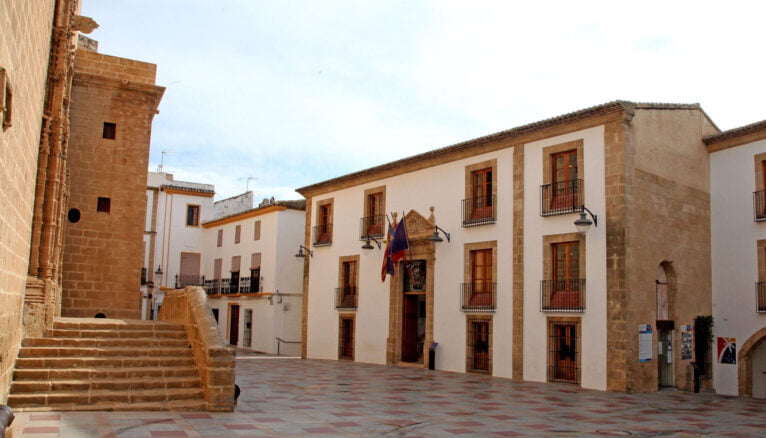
(432, 356)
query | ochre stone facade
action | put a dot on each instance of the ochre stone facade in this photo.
(103, 251)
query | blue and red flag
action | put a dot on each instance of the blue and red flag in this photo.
(388, 265)
(395, 248)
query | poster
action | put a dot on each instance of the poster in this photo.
(727, 350)
(644, 342)
(686, 342)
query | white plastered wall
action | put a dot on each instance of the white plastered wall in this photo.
(734, 252)
(593, 320)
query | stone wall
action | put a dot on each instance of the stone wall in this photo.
(103, 251)
(667, 221)
(24, 49)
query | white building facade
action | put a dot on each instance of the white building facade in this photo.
(497, 273)
(738, 205)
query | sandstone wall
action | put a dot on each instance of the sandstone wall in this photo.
(24, 49)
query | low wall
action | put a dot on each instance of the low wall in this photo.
(215, 361)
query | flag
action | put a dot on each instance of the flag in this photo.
(388, 264)
(400, 243)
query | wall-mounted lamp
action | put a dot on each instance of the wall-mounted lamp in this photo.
(368, 245)
(301, 255)
(435, 237)
(159, 270)
(583, 223)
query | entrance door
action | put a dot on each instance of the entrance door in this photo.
(564, 346)
(247, 340)
(347, 338)
(480, 344)
(413, 310)
(665, 358)
(758, 363)
(234, 324)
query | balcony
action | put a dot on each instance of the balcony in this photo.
(345, 297)
(562, 295)
(232, 286)
(561, 197)
(479, 211)
(760, 297)
(759, 206)
(322, 235)
(188, 280)
(372, 226)
(478, 297)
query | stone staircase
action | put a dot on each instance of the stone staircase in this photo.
(107, 365)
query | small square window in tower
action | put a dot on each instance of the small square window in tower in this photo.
(104, 205)
(110, 131)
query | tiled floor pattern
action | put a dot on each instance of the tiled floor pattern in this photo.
(291, 397)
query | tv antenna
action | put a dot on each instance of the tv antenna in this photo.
(162, 160)
(247, 184)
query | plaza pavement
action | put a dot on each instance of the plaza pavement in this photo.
(292, 397)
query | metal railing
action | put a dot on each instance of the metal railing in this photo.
(478, 297)
(188, 280)
(759, 206)
(224, 286)
(562, 295)
(479, 211)
(561, 197)
(346, 297)
(322, 235)
(281, 341)
(760, 297)
(373, 226)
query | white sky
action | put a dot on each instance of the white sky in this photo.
(297, 92)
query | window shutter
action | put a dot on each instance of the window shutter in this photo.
(220, 238)
(217, 267)
(255, 260)
(235, 262)
(257, 235)
(237, 233)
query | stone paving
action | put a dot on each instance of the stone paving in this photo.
(292, 397)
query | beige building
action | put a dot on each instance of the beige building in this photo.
(510, 287)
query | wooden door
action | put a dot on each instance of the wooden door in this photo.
(410, 328)
(324, 224)
(665, 358)
(481, 277)
(566, 275)
(234, 324)
(565, 353)
(480, 344)
(564, 173)
(374, 214)
(482, 194)
(347, 338)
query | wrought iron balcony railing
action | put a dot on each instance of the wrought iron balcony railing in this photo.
(188, 280)
(759, 206)
(479, 211)
(227, 286)
(760, 297)
(561, 197)
(478, 297)
(322, 235)
(562, 295)
(345, 297)
(373, 226)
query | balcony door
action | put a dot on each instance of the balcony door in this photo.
(564, 175)
(566, 275)
(482, 194)
(189, 269)
(233, 324)
(481, 277)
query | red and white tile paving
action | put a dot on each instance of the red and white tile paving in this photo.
(293, 397)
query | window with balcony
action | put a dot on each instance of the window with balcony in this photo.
(192, 215)
(563, 350)
(323, 228)
(760, 286)
(562, 189)
(234, 278)
(254, 282)
(564, 288)
(759, 196)
(481, 184)
(478, 293)
(346, 293)
(374, 220)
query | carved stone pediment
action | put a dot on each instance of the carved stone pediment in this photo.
(418, 227)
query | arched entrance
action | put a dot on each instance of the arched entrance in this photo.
(751, 363)
(665, 325)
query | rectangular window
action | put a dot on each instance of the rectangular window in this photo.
(255, 272)
(110, 131)
(481, 183)
(237, 233)
(563, 286)
(348, 279)
(189, 270)
(479, 289)
(323, 228)
(759, 196)
(374, 220)
(562, 189)
(192, 215)
(220, 238)
(563, 351)
(104, 205)
(257, 231)
(234, 279)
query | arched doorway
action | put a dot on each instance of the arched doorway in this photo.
(751, 362)
(665, 325)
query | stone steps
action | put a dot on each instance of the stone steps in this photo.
(103, 364)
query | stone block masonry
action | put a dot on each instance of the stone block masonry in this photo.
(103, 251)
